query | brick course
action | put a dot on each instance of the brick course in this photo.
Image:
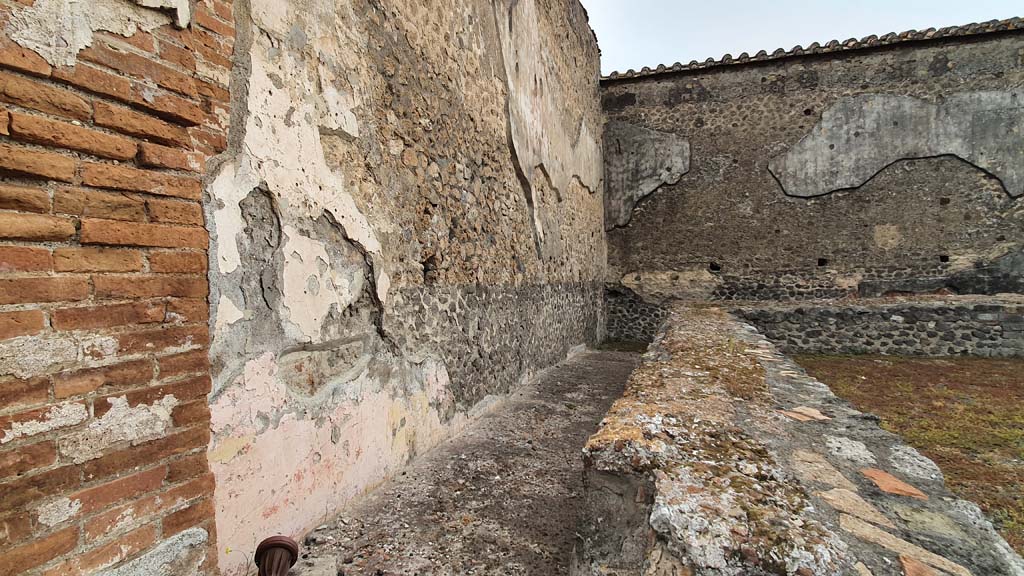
(103, 290)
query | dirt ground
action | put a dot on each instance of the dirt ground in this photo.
(501, 498)
(966, 414)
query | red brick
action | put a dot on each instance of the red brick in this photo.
(177, 262)
(207, 20)
(37, 552)
(132, 234)
(189, 517)
(164, 157)
(215, 141)
(27, 489)
(194, 362)
(49, 165)
(141, 125)
(151, 182)
(15, 528)
(188, 311)
(106, 555)
(42, 97)
(122, 376)
(24, 199)
(37, 227)
(99, 204)
(16, 57)
(138, 456)
(97, 260)
(97, 81)
(187, 467)
(43, 414)
(178, 56)
(213, 92)
(202, 485)
(24, 259)
(43, 289)
(169, 106)
(16, 394)
(144, 41)
(118, 518)
(21, 323)
(39, 130)
(100, 497)
(93, 317)
(175, 211)
(191, 413)
(27, 458)
(139, 67)
(223, 10)
(140, 286)
(159, 340)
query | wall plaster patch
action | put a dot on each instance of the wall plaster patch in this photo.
(59, 29)
(638, 161)
(861, 135)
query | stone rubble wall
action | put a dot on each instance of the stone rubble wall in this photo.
(723, 457)
(893, 169)
(975, 327)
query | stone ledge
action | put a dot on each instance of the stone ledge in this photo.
(723, 458)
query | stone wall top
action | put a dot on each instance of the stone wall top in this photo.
(724, 457)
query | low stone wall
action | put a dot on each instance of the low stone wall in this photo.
(991, 326)
(724, 457)
(629, 317)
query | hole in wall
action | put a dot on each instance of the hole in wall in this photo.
(944, 258)
(808, 111)
(822, 261)
(944, 201)
(715, 267)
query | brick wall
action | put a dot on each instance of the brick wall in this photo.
(103, 311)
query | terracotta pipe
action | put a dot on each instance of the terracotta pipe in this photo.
(276, 555)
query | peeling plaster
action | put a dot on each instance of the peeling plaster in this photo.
(59, 29)
(638, 161)
(538, 125)
(861, 135)
(179, 555)
(60, 416)
(227, 313)
(121, 423)
(313, 284)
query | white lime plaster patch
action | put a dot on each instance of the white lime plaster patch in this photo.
(28, 356)
(232, 184)
(121, 423)
(179, 555)
(58, 511)
(60, 416)
(59, 29)
(227, 313)
(313, 284)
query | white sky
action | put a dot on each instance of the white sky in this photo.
(638, 33)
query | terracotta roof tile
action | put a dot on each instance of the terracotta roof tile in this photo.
(832, 46)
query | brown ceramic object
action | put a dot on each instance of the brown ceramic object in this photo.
(276, 555)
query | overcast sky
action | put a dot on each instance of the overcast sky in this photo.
(638, 33)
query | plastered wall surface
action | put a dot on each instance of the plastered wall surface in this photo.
(406, 225)
(891, 170)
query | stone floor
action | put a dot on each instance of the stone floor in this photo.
(501, 498)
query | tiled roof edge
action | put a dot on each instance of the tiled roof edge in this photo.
(829, 48)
